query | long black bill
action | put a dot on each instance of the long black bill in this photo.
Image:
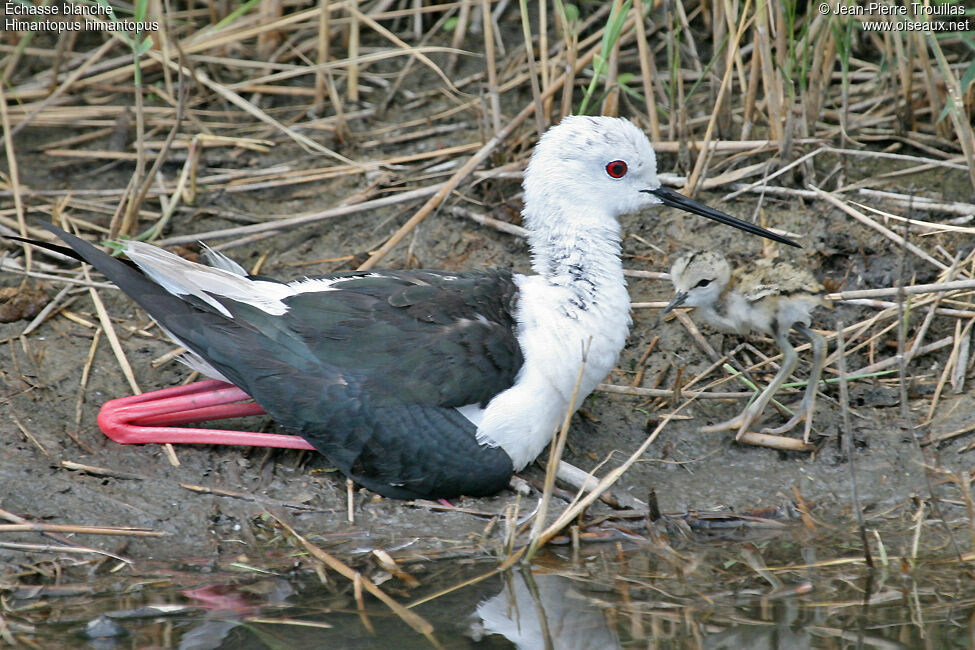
(676, 200)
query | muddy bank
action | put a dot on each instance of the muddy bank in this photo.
(212, 504)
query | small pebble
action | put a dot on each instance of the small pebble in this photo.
(102, 628)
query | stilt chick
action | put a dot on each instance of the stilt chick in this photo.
(769, 296)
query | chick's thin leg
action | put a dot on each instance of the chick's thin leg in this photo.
(747, 417)
(805, 411)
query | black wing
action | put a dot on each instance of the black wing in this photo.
(368, 372)
(425, 337)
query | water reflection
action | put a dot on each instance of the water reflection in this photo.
(784, 632)
(768, 595)
(545, 611)
(226, 608)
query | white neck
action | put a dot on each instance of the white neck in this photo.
(580, 253)
(577, 300)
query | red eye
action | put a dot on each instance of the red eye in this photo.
(616, 169)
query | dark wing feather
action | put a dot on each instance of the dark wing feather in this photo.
(434, 338)
(398, 450)
(368, 373)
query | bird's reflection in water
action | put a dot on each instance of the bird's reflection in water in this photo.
(784, 632)
(536, 610)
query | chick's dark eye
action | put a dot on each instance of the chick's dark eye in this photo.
(703, 283)
(616, 169)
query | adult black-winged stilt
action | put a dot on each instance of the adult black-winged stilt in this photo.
(413, 383)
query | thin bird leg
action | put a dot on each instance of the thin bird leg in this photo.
(805, 411)
(747, 417)
(148, 418)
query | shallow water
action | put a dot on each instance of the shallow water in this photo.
(790, 589)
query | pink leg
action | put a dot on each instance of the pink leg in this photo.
(141, 419)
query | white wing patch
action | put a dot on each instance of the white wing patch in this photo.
(218, 260)
(314, 285)
(181, 277)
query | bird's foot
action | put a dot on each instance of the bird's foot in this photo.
(803, 414)
(788, 426)
(741, 422)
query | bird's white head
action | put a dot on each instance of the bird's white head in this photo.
(591, 170)
(699, 278)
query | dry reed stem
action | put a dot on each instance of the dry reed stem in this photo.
(120, 357)
(69, 544)
(646, 70)
(611, 102)
(129, 206)
(920, 203)
(699, 165)
(532, 70)
(956, 110)
(829, 197)
(928, 163)
(349, 501)
(33, 527)
(352, 45)
(47, 311)
(360, 604)
(943, 378)
(911, 289)
(556, 448)
(665, 393)
(460, 31)
(323, 52)
(415, 621)
(468, 167)
(492, 72)
(543, 47)
(763, 49)
(962, 359)
(166, 357)
(85, 373)
(27, 434)
(944, 437)
(571, 40)
(770, 441)
(112, 336)
(14, 176)
(51, 548)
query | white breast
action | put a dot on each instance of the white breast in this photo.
(553, 339)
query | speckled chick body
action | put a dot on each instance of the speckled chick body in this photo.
(765, 295)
